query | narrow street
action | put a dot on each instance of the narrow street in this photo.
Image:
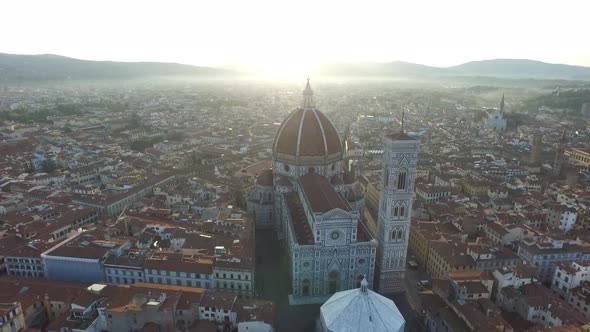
(272, 282)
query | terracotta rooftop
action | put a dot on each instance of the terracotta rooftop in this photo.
(307, 133)
(299, 220)
(321, 194)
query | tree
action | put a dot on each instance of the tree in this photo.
(28, 167)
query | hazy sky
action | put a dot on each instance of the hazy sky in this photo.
(294, 34)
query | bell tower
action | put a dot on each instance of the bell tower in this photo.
(400, 156)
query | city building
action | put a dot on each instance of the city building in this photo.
(11, 317)
(536, 148)
(80, 258)
(561, 216)
(445, 258)
(546, 255)
(578, 156)
(579, 298)
(569, 275)
(537, 304)
(430, 193)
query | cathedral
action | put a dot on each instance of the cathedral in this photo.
(312, 199)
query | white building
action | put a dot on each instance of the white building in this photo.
(561, 216)
(497, 121)
(569, 275)
(515, 277)
(360, 310)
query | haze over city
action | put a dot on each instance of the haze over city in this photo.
(267, 166)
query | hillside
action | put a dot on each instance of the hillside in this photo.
(23, 68)
(499, 68)
(48, 67)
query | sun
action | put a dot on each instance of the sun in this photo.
(285, 68)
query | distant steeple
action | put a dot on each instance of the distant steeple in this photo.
(402, 126)
(308, 96)
(558, 160)
(502, 104)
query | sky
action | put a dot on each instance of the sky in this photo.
(294, 35)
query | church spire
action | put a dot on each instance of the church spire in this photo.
(502, 104)
(308, 96)
(402, 124)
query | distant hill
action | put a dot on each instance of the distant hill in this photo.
(48, 67)
(396, 68)
(500, 68)
(521, 68)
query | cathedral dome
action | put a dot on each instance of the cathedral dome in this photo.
(307, 136)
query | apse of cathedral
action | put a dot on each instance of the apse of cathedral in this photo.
(312, 199)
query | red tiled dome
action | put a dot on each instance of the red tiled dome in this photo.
(307, 132)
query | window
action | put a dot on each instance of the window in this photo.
(401, 180)
(402, 211)
(305, 286)
(335, 235)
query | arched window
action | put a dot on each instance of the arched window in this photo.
(395, 211)
(400, 235)
(386, 177)
(394, 235)
(402, 211)
(401, 180)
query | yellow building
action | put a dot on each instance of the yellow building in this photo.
(422, 173)
(371, 185)
(444, 258)
(579, 156)
(421, 233)
(474, 187)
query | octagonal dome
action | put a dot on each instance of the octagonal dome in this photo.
(361, 310)
(307, 136)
